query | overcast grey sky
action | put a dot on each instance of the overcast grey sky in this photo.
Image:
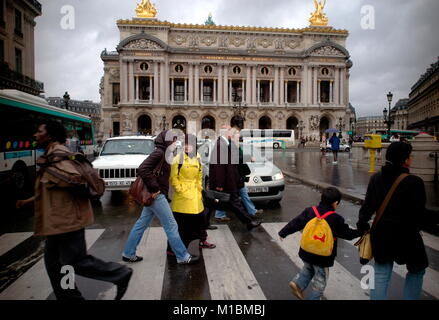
(390, 57)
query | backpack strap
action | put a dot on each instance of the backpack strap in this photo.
(323, 216)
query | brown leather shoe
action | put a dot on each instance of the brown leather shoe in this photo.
(296, 290)
(224, 219)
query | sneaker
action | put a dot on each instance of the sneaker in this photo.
(210, 227)
(123, 285)
(296, 290)
(223, 219)
(133, 259)
(207, 245)
(253, 224)
(191, 260)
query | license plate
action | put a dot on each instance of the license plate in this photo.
(117, 183)
(257, 189)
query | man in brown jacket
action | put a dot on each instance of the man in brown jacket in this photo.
(61, 214)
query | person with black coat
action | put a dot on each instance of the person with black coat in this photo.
(224, 175)
(396, 237)
(316, 267)
(155, 172)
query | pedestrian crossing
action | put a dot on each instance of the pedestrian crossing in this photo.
(229, 274)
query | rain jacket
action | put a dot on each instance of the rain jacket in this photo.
(335, 143)
(187, 184)
(58, 208)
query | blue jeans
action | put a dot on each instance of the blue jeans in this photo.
(161, 209)
(383, 273)
(315, 275)
(246, 201)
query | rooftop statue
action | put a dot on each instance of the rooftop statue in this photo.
(146, 9)
(319, 18)
(209, 21)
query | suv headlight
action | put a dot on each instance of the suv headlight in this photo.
(278, 176)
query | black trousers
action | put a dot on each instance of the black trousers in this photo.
(238, 209)
(190, 227)
(70, 249)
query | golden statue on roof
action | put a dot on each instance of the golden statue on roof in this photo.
(319, 18)
(146, 9)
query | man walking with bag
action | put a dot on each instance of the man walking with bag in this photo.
(61, 214)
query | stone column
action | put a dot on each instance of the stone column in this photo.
(315, 88)
(167, 89)
(214, 91)
(172, 90)
(191, 84)
(258, 92)
(230, 91)
(271, 92)
(150, 89)
(286, 91)
(254, 93)
(123, 81)
(337, 85)
(137, 88)
(156, 82)
(243, 90)
(185, 90)
(282, 86)
(131, 81)
(197, 84)
(226, 85)
(220, 84)
(331, 84)
(304, 88)
(276, 85)
(162, 83)
(319, 87)
(297, 91)
(202, 91)
(309, 86)
(248, 90)
(342, 86)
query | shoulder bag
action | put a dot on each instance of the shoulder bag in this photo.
(138, 191)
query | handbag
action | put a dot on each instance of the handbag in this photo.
(364, 244)
(139, 192)
(216, 199)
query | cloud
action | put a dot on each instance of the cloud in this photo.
(391, 57)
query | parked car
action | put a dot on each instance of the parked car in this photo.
(119, 159)
(343, 147)
(266, 181)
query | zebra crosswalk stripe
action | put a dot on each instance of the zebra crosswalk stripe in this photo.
(228, 273)
(11, 240)
(34, 284)
(341, 285)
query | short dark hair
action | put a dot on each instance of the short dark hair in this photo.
(331, 195)
(237, 121)
(56, 131)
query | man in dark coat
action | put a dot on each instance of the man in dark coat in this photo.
(224, 175)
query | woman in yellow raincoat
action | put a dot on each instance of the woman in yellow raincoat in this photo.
(187, 201)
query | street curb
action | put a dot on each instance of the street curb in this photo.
(346, 194)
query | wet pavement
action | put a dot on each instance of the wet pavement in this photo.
(270, 265)
(312, 164)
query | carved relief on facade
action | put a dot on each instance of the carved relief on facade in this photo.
(114, 75)
(179, 39)
(194, 115)
(126, 121)
(279, 44)
(223, 115)
(251, 115)
(236, 41)
(265, 43)
(280, 115)
(194, 41)
(208, 41)
(327, 51)
(223, 42)
(314, 122)
(293, 44)
(143, 44)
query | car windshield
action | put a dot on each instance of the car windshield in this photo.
(251, 153)
(128, 146)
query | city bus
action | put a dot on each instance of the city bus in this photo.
(267, 138)
(20, 114)
(407, 134)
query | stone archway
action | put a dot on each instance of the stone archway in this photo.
(324, 125)
(179, 122)
(264, 122)
(144, 125)
(292, 123)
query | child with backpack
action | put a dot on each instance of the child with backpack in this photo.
(318, 246)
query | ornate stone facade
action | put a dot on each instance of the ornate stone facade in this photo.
(166, 75)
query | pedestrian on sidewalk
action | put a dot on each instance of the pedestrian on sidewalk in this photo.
(318, 248)
(224, 173)
(158, 185)
(187, 202)
(335, 146)
(396, 236)
(61, 215)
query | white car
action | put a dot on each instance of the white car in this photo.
(119, 159)
(343, 147)
(266, 181)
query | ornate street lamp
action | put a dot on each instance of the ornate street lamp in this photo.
(164, 122)
(66, 98)
(387, 118)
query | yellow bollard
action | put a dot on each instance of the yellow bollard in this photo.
(372, 160)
